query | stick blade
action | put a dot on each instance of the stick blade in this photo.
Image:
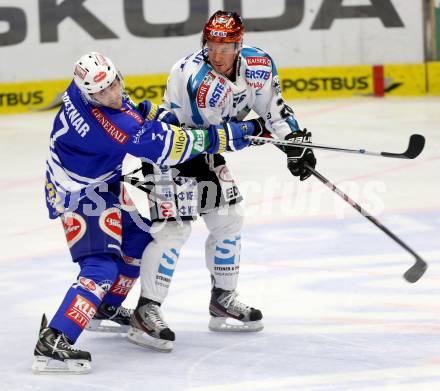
(416, 271)
(415, 148)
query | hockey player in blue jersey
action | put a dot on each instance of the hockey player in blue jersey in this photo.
(96, 126)
(222, 81)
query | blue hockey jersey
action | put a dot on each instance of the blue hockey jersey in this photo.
(88, 144)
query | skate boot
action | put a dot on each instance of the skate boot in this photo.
(148, 329)
(228, 314)
(110, 319)
(54, 353)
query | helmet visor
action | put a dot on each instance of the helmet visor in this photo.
(222, 48)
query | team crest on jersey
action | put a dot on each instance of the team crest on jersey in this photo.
(122, 285)
(74, 227)
(256, 61)
(111, 223)
(81, 311)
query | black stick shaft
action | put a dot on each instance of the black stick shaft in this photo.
(420, 263)
(415, 147)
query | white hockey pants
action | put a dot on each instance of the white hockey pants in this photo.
(222, 252)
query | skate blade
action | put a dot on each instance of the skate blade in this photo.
(140, 338)
(47, 365)
(221, 324)
(106, 326)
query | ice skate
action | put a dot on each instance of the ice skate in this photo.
(228, 314)
(110, 319)
(148, 329)
(54, 354)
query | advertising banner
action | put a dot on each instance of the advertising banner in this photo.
(296, 83)
(41, 39)
(433, 70)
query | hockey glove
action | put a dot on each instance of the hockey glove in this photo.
(260, 130)
(259, 127)
(148, 110)
(153, 112)
(298, 156)
(229, 136)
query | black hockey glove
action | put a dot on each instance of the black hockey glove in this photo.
(259, 126)
(298, 156)
(260, 130)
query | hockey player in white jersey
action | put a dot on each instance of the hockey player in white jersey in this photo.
(96, 126)
(223, 81)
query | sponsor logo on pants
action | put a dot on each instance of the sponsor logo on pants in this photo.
(122, 285)
(81, 311)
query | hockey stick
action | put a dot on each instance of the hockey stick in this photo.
(415, 271)
(415, 147)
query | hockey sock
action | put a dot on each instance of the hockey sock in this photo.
(128, 274)
(98, 272)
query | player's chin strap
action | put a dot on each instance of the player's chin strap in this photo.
(415, 146)
(417, 269)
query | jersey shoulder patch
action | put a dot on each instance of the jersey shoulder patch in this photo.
(255, 57)
(189, 63)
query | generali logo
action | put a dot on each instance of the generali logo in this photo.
(109, 127)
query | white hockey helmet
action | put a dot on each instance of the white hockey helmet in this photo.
(94, 72)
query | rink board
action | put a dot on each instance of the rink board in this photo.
(297, 83)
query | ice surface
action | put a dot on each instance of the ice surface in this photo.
(337, 314)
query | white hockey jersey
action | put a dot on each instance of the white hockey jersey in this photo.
(200, 96)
